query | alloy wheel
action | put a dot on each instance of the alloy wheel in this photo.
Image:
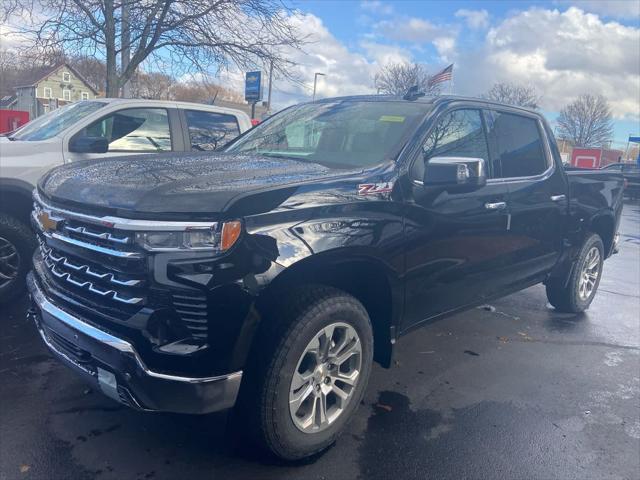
(325, 377)
(9, 262)
(589, 274)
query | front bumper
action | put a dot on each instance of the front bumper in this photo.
(113, 365)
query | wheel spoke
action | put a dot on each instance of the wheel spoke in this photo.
(350, 379)
(300, 379)
(299, 399)
(342, 396)
(352, 349)
(320, 410)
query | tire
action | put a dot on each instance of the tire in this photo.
(283, 340)
(17, 243)
(571, 298)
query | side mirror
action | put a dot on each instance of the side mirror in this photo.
(83, 144)
(455, 174)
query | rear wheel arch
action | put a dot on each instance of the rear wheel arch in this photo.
(366, 279)
(604, 226)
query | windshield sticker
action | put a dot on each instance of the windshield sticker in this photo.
(373, 188)
(392, 118)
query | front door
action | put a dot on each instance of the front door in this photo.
(456, 241)
(129, 131)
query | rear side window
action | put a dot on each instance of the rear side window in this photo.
(210, 130)
(456, 134)
(516, 145)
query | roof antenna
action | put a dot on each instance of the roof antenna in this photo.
(413, 94)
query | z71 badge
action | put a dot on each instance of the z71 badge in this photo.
(373, 188)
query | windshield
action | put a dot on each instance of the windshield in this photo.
(344, 134)
(56, 121)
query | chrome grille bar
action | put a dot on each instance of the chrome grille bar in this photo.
(89, 286)
(102, 235)
(110, 277)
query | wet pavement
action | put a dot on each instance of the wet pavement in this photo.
(515, 391)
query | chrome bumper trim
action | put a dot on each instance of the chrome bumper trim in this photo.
(115, 342)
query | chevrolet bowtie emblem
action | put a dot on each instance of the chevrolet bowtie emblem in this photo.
(47, 223)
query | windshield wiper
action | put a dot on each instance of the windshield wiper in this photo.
(279, 155)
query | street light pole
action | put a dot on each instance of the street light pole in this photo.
(315, 83)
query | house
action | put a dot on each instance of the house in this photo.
(51, 88)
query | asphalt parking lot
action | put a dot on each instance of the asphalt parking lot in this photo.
(510, 391)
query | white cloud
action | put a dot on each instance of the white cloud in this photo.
(610, 8)
(476, 19)
(446, 47)
(376, 6)
(411, 29)
(346, 72)
(563, 54)
(382, 54)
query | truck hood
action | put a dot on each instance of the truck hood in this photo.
(173, 184)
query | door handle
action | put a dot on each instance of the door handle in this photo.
(495, 206)
(558, 198)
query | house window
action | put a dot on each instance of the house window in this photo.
(66, 94)
(85, 95)
(66, 77)
(47, 92)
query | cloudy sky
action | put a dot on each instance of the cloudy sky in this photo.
(563, 48)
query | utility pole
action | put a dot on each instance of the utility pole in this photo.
(315, 83)
(125, 54)
(270, 82)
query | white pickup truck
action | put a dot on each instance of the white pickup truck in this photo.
(93, 129)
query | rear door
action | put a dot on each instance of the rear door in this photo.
(208, 130)
(537, 202)
(455, 247)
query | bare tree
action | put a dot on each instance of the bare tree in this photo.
(204, 91)
(397, 78)
(586, 122)
(514, 94)
(198, 35)
(152, 85)
(94, 71)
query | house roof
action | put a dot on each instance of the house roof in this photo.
(38, 75)
(7, 101)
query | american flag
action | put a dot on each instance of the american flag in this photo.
(443, 76)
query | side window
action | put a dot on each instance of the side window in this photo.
(210, 130)
(457, 134)
(516, 145)
(134, 130)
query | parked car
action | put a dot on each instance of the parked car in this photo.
(631, 174)
(333, 229)
(93, 129)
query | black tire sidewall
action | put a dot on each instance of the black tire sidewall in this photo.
(289, 441)
(23, 239)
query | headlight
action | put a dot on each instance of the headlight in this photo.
(218, 238)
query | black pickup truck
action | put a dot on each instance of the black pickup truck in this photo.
(269, 276)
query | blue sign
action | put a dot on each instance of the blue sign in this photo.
(634, 139)
(253, 87)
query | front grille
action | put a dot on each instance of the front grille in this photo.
(92, 262)
(97, 269)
